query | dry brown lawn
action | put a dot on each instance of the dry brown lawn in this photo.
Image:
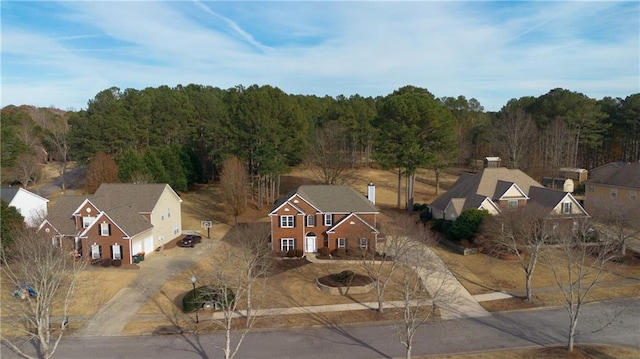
(284, 288)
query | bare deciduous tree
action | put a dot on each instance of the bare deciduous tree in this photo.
(44, 276)
(402, 233)
(524, 233)
(255, 255)
(516, 134)
(27, 169)
(237, 268)
(233, 182)
(328, 154)
(618, 220)
(57, 138)
(418, 305)
(577, 269)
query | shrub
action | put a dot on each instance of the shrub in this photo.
(324, 251)
(467, 225)
(106, 262)
(345, 277)
(299, 253)
(419, 207)
(341, 252)
(425, 215)
(116, 262)
(291, 253)
(215, 294)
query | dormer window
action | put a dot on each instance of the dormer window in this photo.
(566, 208)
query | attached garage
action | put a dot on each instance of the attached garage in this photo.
(136, 246)
(148, 245)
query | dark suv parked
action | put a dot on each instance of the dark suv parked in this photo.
(190, 240)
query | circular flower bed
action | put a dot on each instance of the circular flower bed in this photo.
(345, 282)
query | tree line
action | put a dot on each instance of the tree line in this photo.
(183, 135)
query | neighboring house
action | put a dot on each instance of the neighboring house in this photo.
(331, 216)
(117, 222)
(496, 189)
(32, 207)
(615, 181)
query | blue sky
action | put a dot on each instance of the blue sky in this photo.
(63, 53)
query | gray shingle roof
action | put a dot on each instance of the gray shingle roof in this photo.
(141, 197)
(61, 214)
(335, 199)
(618, 175)
(546, 197)
(8, 193)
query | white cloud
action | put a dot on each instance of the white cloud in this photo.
(490, 51)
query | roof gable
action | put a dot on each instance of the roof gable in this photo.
(291, 199)
(351, 219)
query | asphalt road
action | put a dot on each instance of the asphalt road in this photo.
(614, 322)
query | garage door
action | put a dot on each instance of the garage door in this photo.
(137, 247)
(148, 245)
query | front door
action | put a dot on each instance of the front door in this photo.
(310, 244)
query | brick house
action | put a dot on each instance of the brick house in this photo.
(332, 216)
(117, 222)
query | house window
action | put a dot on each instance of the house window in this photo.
(328, 220)
(591, 188)
(512, 204)
(287, 244)
(566, 207)
(95, 251)
(116, 251)
(104, 229)
(311, 220)
(168, 212)
(614, 192)
(342, 242)
(86, 221)
(633, 195)
(363, 243)
(286, 221)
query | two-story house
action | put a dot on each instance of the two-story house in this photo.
(332, 216)
(496, 189)
(117, 222)
(616, 183)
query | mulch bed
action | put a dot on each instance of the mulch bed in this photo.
(331, 280)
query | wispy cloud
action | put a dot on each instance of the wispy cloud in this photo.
(493, 51)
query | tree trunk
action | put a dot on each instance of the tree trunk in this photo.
(437, 180)
(572, 331)
(528, 286)
(399, 187)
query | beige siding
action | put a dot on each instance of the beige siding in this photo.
(166, 218)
